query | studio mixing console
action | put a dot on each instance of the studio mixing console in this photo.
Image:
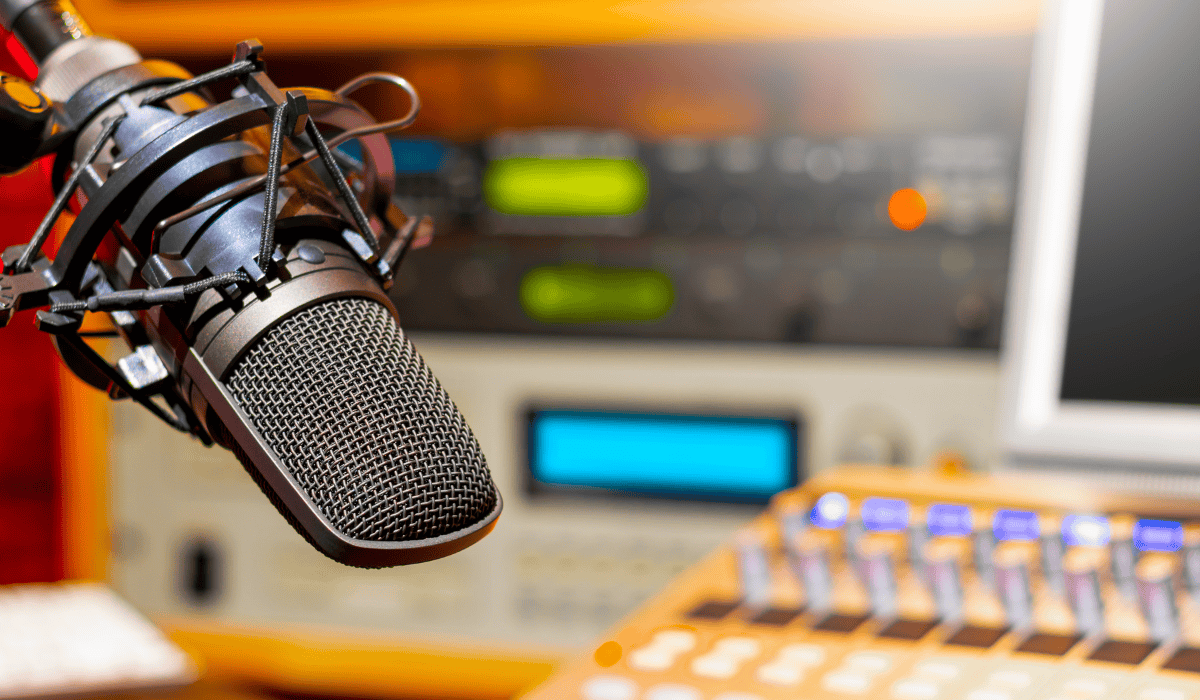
(881, 583)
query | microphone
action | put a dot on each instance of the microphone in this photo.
(245, 260)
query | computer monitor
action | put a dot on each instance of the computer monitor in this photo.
(1102, 347)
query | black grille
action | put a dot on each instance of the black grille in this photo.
(343, 398)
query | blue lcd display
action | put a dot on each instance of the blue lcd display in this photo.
(1158, 535)
(949, 520)
(701, 457)
(1086, 530)
(410, 156)
(1020, 525)
(884, 514)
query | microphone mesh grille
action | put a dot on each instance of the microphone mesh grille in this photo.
(341, 395)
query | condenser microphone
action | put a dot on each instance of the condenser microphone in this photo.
(244, 259)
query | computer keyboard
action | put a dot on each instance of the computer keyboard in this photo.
(78, 639)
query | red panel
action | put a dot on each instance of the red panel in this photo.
(30, 547)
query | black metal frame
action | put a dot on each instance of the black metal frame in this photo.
(204, 290)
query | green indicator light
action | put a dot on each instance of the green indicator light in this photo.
(565, 186)
(578, 294)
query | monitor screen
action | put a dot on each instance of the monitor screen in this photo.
(1133, 333)
(1102, 337)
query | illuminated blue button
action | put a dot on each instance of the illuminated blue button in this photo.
(1015, 525)
(830, 511)
(884, 514)
(1158, 535)
(949, 520)
(1086, 530)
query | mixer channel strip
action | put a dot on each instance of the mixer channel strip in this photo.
(880, 584)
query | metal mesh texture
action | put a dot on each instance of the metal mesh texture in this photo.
(341, 395)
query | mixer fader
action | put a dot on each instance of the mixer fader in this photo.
(880, 583)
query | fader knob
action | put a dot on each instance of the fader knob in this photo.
(1155, 574)
(1123, 555)
(1011, 564)
(943, 567)
(984, 541)
(809, 558)
(754, 568)
(877, 559)
(918, 539)
(1081, 576)
(1191, 560)
(1052, 552)
(792, 513)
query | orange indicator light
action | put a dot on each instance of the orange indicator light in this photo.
(608, 654)
(907, 209)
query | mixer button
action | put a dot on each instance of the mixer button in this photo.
(914, 689)
(1119, 652)
(1159, 693)
(809, 655)
(713, 609)
(672, 691)
(715, 665)
(1049, 644)
(675, 640)
(652, 658)
(869, 662)
(1085, 688)
(977, 637)
(609, 688)
(846, 682)
(779, 673)
(1186, 659)
(937, 670)
(742, 648)
(1010, 679)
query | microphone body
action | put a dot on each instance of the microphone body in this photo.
(295, 361)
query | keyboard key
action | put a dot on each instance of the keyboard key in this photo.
(609, 688)
(673, 691)
(1011, 679)
(914, 689)
(868, 662)
(846, 682)
(807, 655)
(652, 658)
(777, 673)
(714, 665)
(675, 640)
(937, 670)
(1085, 687)
(739, 647)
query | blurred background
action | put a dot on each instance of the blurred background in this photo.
(670, 210)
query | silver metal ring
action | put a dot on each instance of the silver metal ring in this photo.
(393, 125)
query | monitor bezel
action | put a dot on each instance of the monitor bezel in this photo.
(1038, 428)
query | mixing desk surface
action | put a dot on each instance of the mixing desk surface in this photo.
(891, 584)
